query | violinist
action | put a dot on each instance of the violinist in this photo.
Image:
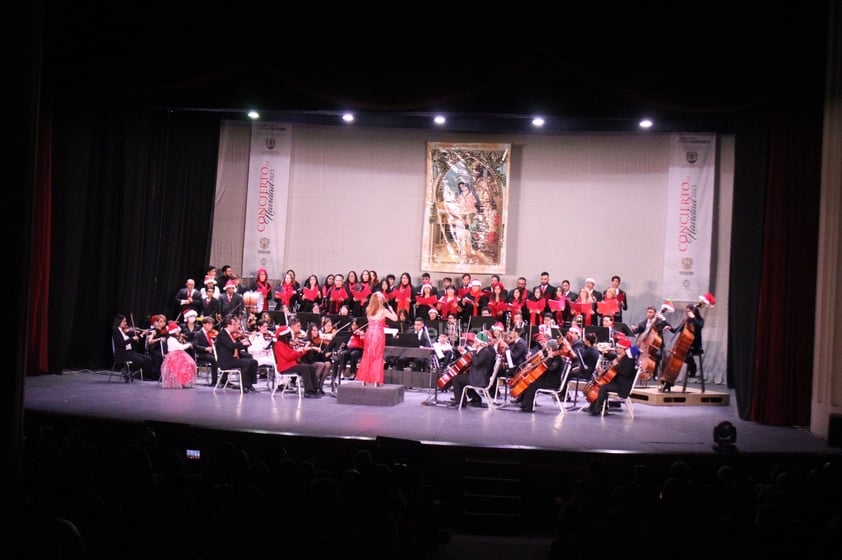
(203, 346)
(124, 339)
(321, 362)
(288, 359)
(156, 342)
(178, 369)
(190, 325)
(349, 354)
(231, 353)
(518, 350)
(261, 345)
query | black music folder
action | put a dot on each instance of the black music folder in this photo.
(601, 332)
(405, 340)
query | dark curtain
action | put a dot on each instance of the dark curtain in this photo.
(133, 196)
(750, 172)
(783, 380)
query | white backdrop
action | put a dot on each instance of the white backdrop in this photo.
(580, 205)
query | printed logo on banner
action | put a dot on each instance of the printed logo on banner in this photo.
(692, 157)
(270, 143)
(686, 263)
(264, 243)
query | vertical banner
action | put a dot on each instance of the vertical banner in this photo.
(267, 199)
(689, 223)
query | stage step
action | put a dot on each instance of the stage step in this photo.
(692, 397)
(356, 393)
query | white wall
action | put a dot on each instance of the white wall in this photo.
(580, 205)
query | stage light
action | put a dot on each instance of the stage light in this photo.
(725, 437)
(348, 117)
(537, 122)
(253, 115)
(439, 119)
(646, 123)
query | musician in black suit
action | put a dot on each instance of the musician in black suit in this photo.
(482, 366)
(693, 318)
(188, 297)
(231, 343)
(550, 379)
(203, 347)
(622, 298)
(230, 303)
(622, 379)
(125, 339)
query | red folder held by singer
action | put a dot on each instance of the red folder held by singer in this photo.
(557, 304)
(536, 306)
(607, 307)
(581, 308)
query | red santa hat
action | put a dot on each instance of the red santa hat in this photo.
(426, 284)
(575, 330)
(209, 280)
(498, 326)
(190, 313)
(476, 283)
(172, 327)
(281, 331)
(667, 306)
(624, 344)
(230, 284)
(707, 299)
(591, 280)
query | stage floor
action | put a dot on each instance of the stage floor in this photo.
(423, 416)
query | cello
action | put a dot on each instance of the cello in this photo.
(535, 367)
(591, 390)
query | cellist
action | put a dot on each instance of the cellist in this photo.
(621, 374)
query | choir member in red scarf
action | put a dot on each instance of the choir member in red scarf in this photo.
(263, 286)
(536, 304)
(449, 303)
(311, 295)
(497, 303)
(337, 295)
(473, 301)
(286, 293)
(426, 300)
(404, 293)
(360, 291)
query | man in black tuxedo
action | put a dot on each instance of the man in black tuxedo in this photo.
(230, 347)
(547, 289)
(203, 347)
(187, 298)
(230, 303)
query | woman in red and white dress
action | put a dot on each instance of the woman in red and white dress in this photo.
(178, 370)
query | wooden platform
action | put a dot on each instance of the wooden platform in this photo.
(693, 397)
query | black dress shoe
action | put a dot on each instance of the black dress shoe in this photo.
(478, 404)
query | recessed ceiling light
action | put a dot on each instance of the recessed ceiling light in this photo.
(646, 123)
(253, 115)
(439, 119)
(348, 117)
(537, 121)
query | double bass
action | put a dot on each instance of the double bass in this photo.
(650, 344)
(676, 357)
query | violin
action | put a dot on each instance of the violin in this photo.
(213, 333)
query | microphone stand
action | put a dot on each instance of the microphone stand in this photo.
(434, 366)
